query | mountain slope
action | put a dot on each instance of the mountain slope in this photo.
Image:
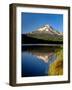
(31, 40)
(47, 29)
(45, 34)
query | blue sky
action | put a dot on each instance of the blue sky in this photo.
(32, 21)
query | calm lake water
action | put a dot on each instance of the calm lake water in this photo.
(36, 60)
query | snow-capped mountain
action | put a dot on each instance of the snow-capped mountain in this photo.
(45, 33)
(47, 29)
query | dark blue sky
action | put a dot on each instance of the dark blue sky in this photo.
(33, 21)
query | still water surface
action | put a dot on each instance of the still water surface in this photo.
(36, 61)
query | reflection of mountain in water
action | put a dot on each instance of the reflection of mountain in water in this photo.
(36, 61)
(42, 56)
(43, 53)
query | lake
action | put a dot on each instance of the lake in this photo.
(36, 60)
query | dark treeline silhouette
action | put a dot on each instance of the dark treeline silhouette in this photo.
(40, 48)
(30, 40)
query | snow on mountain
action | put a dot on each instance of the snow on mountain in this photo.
(45, 33)
(47, 29)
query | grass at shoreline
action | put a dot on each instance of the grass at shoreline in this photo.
(56, 68)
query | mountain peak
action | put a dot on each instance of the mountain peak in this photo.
(48, 29)
(44, 28)
(47, 25)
